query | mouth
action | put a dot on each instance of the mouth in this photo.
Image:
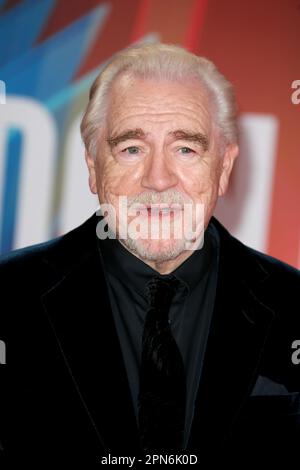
(163, 210)
(156, 211)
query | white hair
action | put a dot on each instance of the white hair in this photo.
(164, 62)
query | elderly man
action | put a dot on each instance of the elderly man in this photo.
(149, 330)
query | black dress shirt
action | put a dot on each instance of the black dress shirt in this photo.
(190, 312)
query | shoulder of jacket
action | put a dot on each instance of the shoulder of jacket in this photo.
(271, 265)
(37, 263)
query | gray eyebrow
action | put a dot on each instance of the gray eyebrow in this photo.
(138, 133)
(196, 137)
(126, 135)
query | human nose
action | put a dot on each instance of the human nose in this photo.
(158, 174)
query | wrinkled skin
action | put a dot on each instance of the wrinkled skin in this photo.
(154, 164)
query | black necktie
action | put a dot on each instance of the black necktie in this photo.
(161, 400)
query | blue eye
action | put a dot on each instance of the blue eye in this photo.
(131, 150)
(185, 150)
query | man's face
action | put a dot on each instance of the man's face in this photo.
(160, 146)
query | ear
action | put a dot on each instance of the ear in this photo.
(90, 161)
(231, 152)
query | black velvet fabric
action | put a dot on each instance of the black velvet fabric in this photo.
(64, 395)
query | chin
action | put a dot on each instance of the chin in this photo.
(155, 250)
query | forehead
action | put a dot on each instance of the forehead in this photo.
(135, 100)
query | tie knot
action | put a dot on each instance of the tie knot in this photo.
(160, 291)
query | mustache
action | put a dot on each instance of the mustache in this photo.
(154, 197)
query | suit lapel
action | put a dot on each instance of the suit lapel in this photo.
(78, 308)
(239, 328)
(79, 312)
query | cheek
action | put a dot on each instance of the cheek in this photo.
(202, 183)
(114, 180)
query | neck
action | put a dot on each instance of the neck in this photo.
(167, 266)
(164, 266)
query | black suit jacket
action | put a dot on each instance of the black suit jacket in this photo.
(65, 397)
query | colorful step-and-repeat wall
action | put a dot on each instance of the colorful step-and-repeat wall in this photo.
(50, 52)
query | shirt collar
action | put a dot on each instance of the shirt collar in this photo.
(134, 273)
